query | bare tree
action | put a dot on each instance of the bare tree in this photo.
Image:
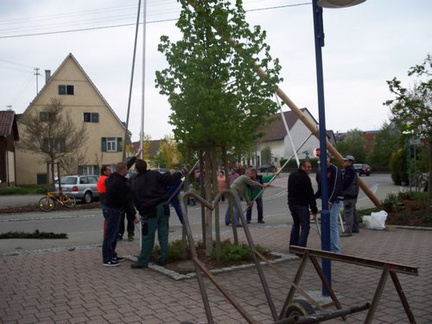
(70, 164)
(52, 133)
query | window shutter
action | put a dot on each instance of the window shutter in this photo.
(62, 89)
(119, 144)
(103, 144)
(62, 145)
(95, 117)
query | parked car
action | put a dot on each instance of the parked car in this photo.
(363, 168)
(80, 186)
(160, 170)
(267, 168)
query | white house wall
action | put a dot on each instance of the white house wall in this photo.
(300, 133)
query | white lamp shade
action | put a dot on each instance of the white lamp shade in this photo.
(338, 3)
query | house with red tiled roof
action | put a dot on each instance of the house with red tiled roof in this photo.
(367, 135)
(278, 140)
(8, 136)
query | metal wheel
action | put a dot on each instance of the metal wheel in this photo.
(46, 204)
(87, 197)
(69, 201)
(299, 308)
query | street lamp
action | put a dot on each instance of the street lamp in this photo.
(317, 6)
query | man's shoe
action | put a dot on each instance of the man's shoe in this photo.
(239, 225)
(137, 266)
(227, 223)
(345, 235)
(261, 221)
(356, 231)
(111, 264)
(130, 237)
(119, 238)
(162, 262)
(118, 259)
(248, 222)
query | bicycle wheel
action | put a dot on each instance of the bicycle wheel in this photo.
(46, 204)
(69, 201)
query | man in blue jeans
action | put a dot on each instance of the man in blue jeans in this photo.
(335, 192)
(300, 198)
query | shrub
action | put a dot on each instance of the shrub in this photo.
(36, 234)
(24, 190)
(230, 252)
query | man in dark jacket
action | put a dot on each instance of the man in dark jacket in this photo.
(350, 192)
(335, 197)
(115, 200)
(151, 199)
(300, 198)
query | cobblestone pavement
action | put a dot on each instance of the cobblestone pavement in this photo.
(73, 286)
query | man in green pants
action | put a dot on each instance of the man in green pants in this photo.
(151, 199)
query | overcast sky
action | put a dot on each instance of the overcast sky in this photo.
(365, 46)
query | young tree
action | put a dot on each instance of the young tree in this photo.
(387, 141)
(353, 144)
(52, 133)
(217, 100)
(412, 107)
(170, 153)
(266, 155)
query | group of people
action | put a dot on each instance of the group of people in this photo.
(151, 192)
(148, 193)
(342, 188)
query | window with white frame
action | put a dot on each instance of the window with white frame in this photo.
(111, 144)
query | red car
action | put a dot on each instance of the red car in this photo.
(363, 168)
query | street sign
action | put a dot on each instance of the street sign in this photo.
(415, 141)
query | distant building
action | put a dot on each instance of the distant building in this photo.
(85, 105)
(367, 135)
(277, 138)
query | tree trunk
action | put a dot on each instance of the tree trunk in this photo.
(208, 184)
(216, 210)
(429, 184)
(202, 193)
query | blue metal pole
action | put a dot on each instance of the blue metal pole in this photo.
(325, 214)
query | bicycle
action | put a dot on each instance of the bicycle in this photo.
(52, 198)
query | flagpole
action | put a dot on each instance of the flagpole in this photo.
(143, 77)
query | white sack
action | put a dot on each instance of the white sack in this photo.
(378, 219)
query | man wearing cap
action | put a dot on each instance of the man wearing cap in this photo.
(350, 192)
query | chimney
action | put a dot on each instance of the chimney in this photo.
(47, 75)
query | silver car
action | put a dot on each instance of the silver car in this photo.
(80, 186)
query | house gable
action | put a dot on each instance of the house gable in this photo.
(276, 137)
(85, 105)
(8, 136)
(8, 124)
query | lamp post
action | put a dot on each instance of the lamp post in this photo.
(317, 6)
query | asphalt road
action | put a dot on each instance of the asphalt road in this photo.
(84, 227)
